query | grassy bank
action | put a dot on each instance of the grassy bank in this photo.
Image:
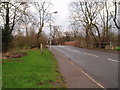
(34, 70)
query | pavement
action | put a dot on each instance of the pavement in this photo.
(83, 68)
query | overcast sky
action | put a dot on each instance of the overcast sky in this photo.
(62, 17)
(62, 7)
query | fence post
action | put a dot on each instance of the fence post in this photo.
(41, 47)
(110, 45)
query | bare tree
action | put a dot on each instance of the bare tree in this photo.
(42, 8)
(117, 23)
(86, 12)
(26, 17)
(87, 15)
(10, 14)
(105, 20)
(56, 34)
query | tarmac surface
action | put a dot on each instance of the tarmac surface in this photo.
(83, 68)
(72, 75)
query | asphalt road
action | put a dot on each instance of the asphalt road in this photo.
(99, 65)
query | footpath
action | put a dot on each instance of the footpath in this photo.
(73, 75)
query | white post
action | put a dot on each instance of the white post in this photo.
(41, 47)
(50, 44)
(110, 45)
(50, 33)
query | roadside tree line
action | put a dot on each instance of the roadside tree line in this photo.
(98, 21)
(23, 24)
(23, 21)
(93, 24)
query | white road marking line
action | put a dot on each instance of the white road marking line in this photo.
(72, 50)
(75, 51)
(87, 75)
(91, 78)
(91, 54)
(112, 60)
(68, 49)
(60, 46)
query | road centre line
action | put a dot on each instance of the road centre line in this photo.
(72, 50)
(87, 75)
(112, 60)
(90, 54)
(93, 55)
(68, 49)
(80, 52)
(75, 51)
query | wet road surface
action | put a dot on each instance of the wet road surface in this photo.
(99, 65)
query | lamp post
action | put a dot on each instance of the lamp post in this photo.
(51, 28)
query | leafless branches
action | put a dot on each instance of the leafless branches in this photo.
(115, 16)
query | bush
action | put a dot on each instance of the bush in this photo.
(117, 48)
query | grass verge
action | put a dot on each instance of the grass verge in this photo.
(32, 71)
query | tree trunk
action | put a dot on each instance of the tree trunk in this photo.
(6, 35)
(38, 42)
(87, 38)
